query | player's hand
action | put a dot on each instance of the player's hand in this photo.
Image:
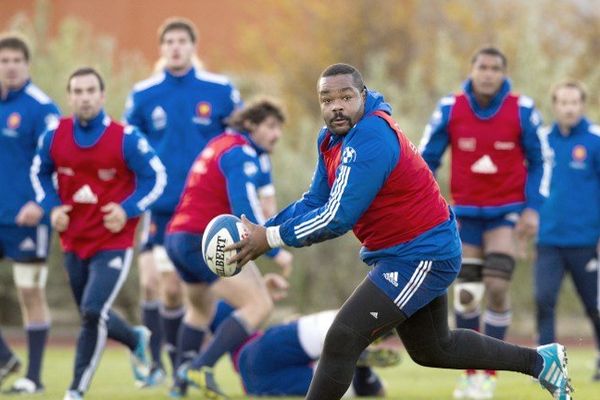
(527, 225)
(252, 246)
(114, 217)
(59, 217)
(277, 286)
(30, 214)
(284, 259)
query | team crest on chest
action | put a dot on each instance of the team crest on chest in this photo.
(203, 113)
(12, 124)
(578, 155)
(13, 121)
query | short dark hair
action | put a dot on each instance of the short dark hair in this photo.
(85, 71)
(177, 23)
(14, 42)
(569, 83)
(490, 51)
(345, 69)
(256, 111)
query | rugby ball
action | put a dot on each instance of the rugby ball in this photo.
(221, 231)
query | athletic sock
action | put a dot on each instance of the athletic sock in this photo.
(189, 342)
(468, 320)
(151, 319)
(230, 334)
(496, 323)
(37, 336)
(171, 321)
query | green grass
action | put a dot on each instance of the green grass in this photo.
(408, 381)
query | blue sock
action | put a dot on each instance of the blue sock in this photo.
(151, 318)
(468, 320)
(189, 342)
(5, 352)
(37, 335)
(496, 323)
(171, 321)
(230, 334)
(121, 331)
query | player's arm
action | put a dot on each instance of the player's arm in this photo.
(41, 175)
(47, 116)
(367, 161)
(536, 151)
(240, 171)
(150, 174)
(435, 137)
(133, 115)
(316, 196)
(265, 187)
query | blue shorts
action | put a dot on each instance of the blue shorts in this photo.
(25, 244)
(153, 229)
(471, 229)
(185, 250)
(412, 285)
(284, 372)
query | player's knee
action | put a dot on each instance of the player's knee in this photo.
(32, 298)
(425, 356)
(90, 317)
(343, 342)
(30, 276)
(499, 265)
(468, 290)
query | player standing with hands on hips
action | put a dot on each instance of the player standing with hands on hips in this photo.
(371, 179)
(107, 175)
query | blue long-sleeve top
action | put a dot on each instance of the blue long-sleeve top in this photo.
(139, 156)
(570, 216)
(324, 213)
(24, 116)
(179, 115)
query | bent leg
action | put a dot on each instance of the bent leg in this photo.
(430, 342)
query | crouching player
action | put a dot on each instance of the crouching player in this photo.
(107, 175)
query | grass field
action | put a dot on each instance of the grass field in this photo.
(407, 381)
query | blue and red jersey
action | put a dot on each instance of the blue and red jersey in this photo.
(223, 180)
(24, 116)
(570, 216)
(179, 115)
(372, 180)
(96, 164)
(496, 163)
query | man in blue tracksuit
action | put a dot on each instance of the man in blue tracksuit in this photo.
(179, 110)
(570, 218)
(25, 111)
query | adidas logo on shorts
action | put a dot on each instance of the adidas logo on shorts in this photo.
(391, 277)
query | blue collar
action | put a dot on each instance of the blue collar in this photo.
(581, 127)
(259, 150)
(495, 104)
(178, 79)
(13, 94)
(98, 122)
